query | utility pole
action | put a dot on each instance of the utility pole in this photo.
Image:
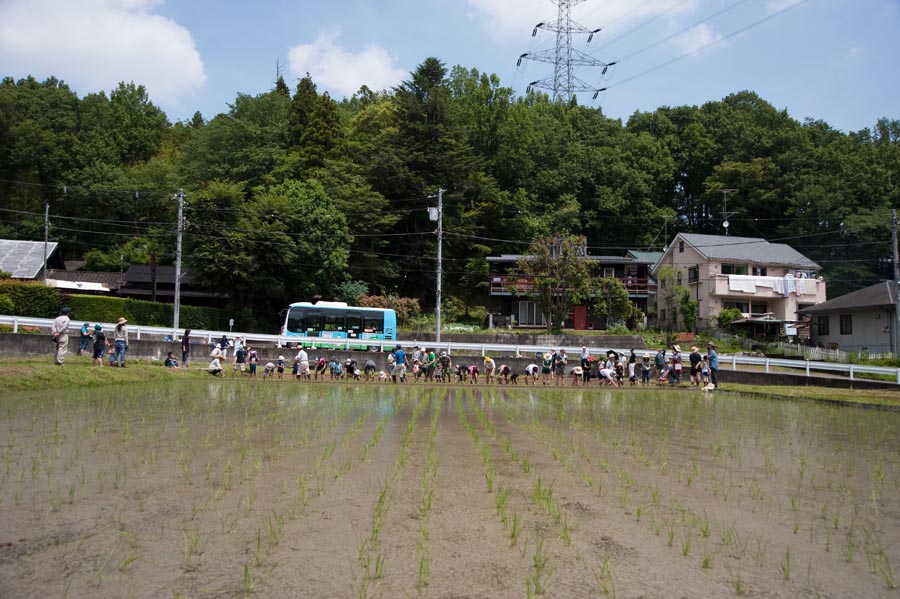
(179, 230)
(896, 290)
(440, 238)
(46, 235)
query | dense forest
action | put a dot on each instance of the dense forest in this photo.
(292, 195)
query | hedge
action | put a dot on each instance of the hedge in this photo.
(32, 299)
(98, 308)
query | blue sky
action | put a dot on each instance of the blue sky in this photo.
(833, 60)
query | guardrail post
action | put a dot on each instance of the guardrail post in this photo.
(16, 330)
(807, 371)
(898, 376)
(767, 365)
(851, 372)
(518, 353)
(139, 333)
(734, 362)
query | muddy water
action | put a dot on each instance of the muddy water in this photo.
(283, 489)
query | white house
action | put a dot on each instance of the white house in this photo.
(861, 320)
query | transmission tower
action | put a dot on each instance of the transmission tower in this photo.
(564, 84)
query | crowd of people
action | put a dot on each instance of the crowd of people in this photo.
(93, 340)
(424, 365)
(421, 365)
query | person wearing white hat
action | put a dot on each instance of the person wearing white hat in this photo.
(121, 343)
(676, 364)
(546, 367)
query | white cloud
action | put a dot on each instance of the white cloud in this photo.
(855, 53)
(773, 6)
(95, 44)
(515, 19)
(344, 72)
(696, 38)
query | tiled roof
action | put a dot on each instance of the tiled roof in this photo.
(751, 249)
(878, 295)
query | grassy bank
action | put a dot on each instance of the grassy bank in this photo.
(32, 373)
(23, 374)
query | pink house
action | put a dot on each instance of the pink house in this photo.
(761, 279)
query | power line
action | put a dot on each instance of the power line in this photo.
(701, 48)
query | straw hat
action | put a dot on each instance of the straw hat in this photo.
(676, 348)
(695, 348)
(646, 354)
(547, 355)
(122, 320)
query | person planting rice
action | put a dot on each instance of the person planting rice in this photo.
(606, 376)
(531, 373)
(577, 376)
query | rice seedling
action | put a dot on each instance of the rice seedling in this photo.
(604, 580)
(785, 566)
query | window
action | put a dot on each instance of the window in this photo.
(846, 324)
(693, 274)
(333, 322)
(744, 307)
(681, 247)
(373, 324)
(734, 269)
(609, 272)
(530, 314)
(757, 308)
(296, 322)
(822, 324)
(678, 277)
(760, 271)
(354, 322)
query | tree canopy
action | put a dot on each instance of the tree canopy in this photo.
(290, 193)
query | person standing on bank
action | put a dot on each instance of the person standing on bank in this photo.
(60, 334)
(121, 343)
(713, 358)
(185, 348)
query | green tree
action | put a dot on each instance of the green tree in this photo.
(560, 274)
(610, 298)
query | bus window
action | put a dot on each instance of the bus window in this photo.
(333, 322)
(354, 324)
(373, 324)
(296, 322)
(313, 325)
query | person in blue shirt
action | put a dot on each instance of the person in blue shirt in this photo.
(171, 362)
(86, 336)
(713, 358)
(399, 364)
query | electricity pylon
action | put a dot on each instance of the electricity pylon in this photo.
(564, 84)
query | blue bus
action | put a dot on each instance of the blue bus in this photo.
(337, 320)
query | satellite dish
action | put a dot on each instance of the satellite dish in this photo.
(725, 224)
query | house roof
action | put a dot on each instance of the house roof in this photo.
(878, 295)
(110, 280)
(165, 275)
(24, 259)
(511, 258)
(645, 257)
(750, 249)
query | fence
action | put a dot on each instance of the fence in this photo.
(808, 366)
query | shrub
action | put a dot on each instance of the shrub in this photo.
(727, 316)
(6, 304)
(405, 307)
(32, 299)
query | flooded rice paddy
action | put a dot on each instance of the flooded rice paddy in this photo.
(224, 488)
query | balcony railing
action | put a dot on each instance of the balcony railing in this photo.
(522, 285)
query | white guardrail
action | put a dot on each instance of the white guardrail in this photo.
(483, 349)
